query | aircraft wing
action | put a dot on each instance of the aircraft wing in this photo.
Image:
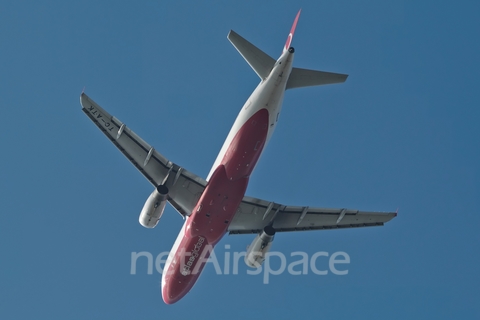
(185, 187)
(254, 214)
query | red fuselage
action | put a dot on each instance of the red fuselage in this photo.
(216, 207)
(227, 183)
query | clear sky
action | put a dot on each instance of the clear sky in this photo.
(403, 131)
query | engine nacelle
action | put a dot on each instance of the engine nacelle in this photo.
(260, 246)
(153, 209)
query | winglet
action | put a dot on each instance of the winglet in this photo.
(292, 31)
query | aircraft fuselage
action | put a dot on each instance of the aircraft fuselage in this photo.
(227, 182)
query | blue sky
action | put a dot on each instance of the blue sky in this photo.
(403, 131)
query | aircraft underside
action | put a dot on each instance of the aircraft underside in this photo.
(217, 205)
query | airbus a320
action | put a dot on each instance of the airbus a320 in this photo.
(217, 205)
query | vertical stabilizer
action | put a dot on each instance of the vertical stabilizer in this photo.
(292, 31)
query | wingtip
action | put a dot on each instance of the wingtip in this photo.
(82, 97)
(230, 34)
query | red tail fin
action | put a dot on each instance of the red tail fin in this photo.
(292, 31)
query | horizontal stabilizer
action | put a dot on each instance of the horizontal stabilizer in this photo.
(306, 78)
(260, 62)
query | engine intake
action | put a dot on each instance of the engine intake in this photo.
(260, 246)
(154, 206)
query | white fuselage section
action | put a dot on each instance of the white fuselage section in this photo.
(269, 95)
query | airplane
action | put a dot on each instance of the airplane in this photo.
(217, 205)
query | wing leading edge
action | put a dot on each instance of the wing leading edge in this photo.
(254, 214)
(185, 187)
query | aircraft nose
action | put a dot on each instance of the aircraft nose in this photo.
(174, 290)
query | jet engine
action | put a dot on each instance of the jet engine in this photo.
(260, 246)
(153, 209)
